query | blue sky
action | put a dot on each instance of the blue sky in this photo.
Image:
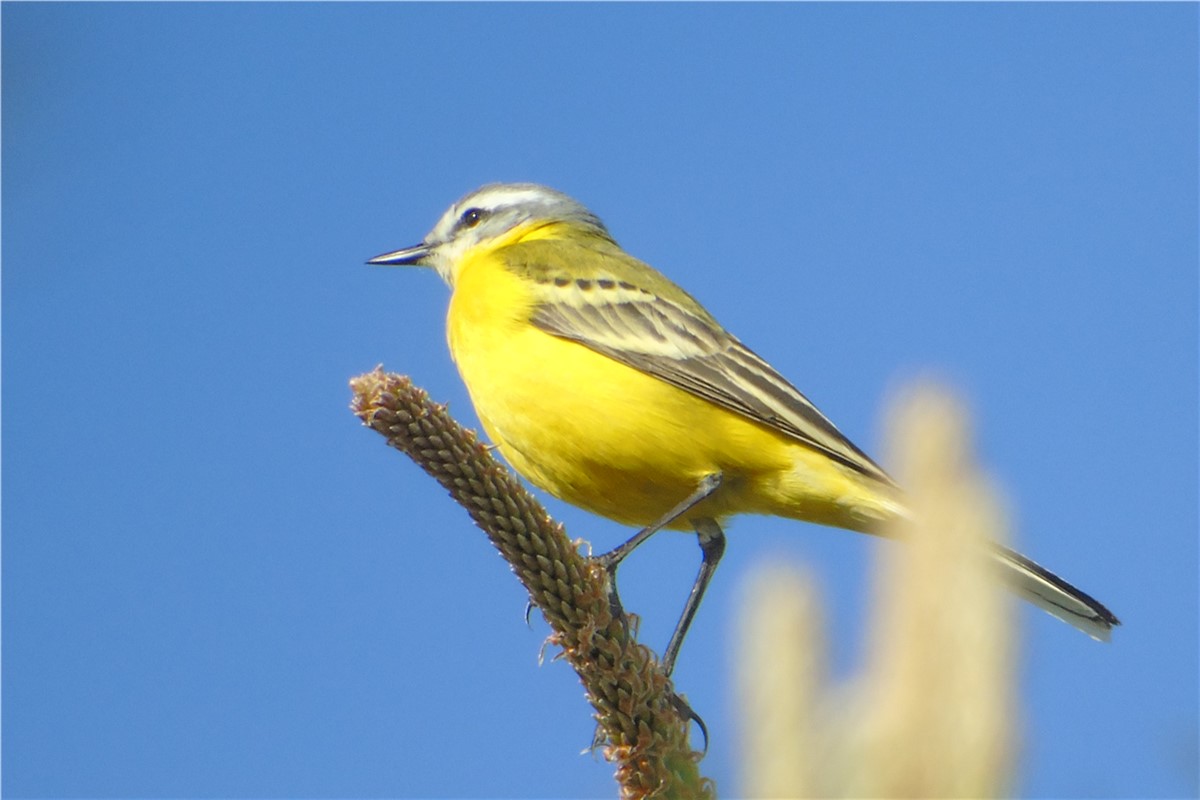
(215, 583)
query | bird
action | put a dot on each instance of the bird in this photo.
(610, 387)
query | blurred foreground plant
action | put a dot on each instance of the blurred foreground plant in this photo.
(932, 712)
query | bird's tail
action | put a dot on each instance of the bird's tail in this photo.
(1052, 594)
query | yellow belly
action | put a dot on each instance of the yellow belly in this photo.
(615, 441)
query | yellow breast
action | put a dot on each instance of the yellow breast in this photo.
(579, 425)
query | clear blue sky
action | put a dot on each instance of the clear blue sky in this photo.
(215, 582)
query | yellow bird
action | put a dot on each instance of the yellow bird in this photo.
(610, 387)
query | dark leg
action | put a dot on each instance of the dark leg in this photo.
(708, 485)
(610, 560)
(712, 547)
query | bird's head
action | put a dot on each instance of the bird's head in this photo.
(486, 215)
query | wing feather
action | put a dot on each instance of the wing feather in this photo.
(678, 342)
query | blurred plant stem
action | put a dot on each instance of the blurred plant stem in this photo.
(932, 711)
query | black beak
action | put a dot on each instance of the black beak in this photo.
(409, 256)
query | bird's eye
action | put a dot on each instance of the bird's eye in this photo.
(470, 218)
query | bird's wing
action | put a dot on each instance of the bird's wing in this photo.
(676, 340)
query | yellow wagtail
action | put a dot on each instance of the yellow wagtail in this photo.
(608, 386)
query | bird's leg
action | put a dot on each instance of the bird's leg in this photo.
(610, 560)
(708, 484)
(712, 547)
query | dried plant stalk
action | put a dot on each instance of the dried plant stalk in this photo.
(932, 712)
(632, 698)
